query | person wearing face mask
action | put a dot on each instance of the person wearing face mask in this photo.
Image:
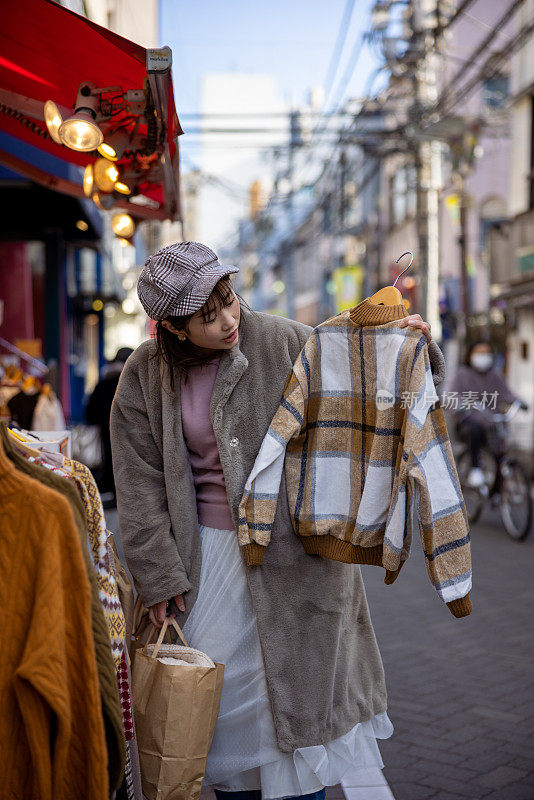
(476, 377)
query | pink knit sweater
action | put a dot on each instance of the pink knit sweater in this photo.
(212, 502)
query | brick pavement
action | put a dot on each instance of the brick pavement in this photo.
(460, 691)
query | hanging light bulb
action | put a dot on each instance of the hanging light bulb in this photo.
(80, 132)
(106, 174)
(122, 225)
(88, 180)
(122, 187)
(114, 146)
(53, 120)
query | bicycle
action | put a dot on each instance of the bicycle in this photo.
(507, 484)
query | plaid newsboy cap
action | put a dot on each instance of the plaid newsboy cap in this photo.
(178, 279)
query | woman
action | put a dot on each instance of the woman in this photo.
(304, 694)
(477, 381)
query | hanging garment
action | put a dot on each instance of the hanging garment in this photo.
(51, 725)
(103, 562)
(363, 443)
(244, 753)
(107, 676)
(101, 553)
(7, 392)
(48, 414)
(22, 407)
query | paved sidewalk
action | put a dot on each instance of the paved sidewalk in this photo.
(461, 691)
(332, 793)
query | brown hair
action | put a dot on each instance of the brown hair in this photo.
(180, 355)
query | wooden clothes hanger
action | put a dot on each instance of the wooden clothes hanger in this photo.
(390, 295)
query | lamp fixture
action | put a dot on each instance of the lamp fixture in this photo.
(122, 225)
(122, 187)
(114, 146)
(106, 174)
(53, 120)
(88, 180)
(80, 132)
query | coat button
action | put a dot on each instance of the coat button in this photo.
(234, 442)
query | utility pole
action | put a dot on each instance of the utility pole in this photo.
(295, 140)
(426, 166)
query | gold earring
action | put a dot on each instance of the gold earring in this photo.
(181, 337)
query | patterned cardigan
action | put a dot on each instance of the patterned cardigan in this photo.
(363, 441)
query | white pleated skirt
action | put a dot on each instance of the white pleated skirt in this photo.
(244, 753)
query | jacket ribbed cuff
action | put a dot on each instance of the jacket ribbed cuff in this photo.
(392, 575)
(254, 554)
(461, 607)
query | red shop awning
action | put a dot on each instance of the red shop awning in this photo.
(46, 51)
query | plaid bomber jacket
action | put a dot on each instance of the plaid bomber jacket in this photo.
(362, 438)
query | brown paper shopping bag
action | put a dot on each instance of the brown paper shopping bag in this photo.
(176, 707)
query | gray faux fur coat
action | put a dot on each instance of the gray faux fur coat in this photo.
(323, 668)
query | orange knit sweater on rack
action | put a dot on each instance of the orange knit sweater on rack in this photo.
(51, 725)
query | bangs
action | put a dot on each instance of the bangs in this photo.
(221, 295)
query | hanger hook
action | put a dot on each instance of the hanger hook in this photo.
(407, 253)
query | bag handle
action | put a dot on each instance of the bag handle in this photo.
(163, 631)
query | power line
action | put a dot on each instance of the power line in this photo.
(351, 66)
(492, 64)
(442, 102)
(338, 47)
(254, 114)
(462, 8)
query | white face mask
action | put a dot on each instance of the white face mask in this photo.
(481, 361)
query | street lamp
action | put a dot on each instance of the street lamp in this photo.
(53, 120)
(123, 225)
(88, 180)
(122, 187)
(113, 146)
(80, 132)
(106, 174)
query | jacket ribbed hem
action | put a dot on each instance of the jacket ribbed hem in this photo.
(461, 607)
(340, 550)
(368, 313)
(254, 554)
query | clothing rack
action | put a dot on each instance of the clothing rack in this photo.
(16, 351)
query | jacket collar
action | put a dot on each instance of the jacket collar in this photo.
(367, 313)
(232, 366)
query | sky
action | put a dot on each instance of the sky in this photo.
(290, 40)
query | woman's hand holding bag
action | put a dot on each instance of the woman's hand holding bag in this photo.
(158, 611)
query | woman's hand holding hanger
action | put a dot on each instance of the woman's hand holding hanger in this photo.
(416, 321)
(158, 611)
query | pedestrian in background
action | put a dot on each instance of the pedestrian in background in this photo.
(97, 412)
(304, 694)
(478, 379)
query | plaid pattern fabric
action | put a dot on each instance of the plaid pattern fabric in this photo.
(178, 279)
(363, 442)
